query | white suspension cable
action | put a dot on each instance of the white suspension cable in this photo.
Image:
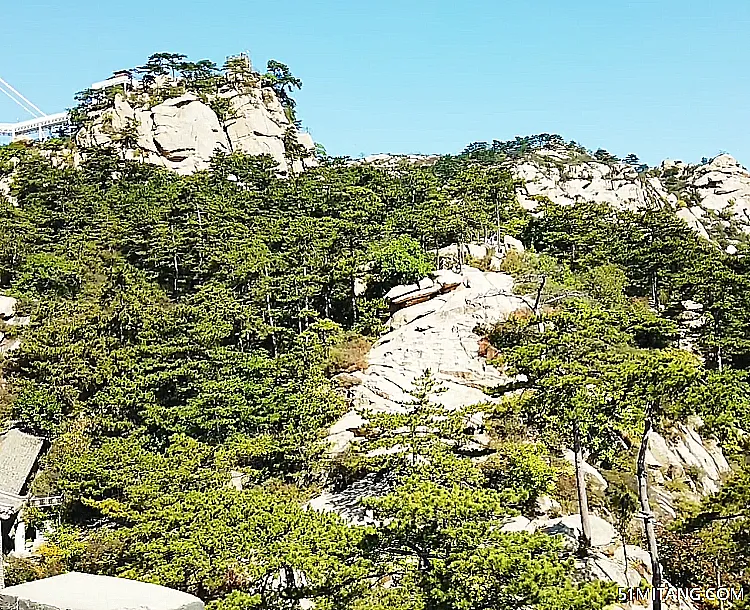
(21, 104)
(20, 96)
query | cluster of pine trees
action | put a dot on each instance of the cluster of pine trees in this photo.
(187, 327)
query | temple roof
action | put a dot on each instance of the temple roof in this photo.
(77, 591)
(18, 455)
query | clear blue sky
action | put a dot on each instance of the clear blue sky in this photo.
(661, 78)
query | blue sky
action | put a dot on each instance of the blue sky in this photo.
(661, 78)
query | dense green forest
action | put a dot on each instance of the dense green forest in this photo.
(187, 327)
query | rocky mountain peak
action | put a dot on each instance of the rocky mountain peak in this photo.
(174, 123)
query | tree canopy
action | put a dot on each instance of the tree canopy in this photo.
(185, 329)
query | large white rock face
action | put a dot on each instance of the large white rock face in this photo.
(186, 133)
(687, 457)
(437, 334)
(183, 133)
(259, 125)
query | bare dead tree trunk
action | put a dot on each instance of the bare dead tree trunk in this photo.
(353, 292)
(583, 501)
(307, 298)
(271, 321)
(497, 221)
(176, 271)
(299, 308)
(648, 516)
(2, 560)
(202, 236)
(539, 291)
(625, 558)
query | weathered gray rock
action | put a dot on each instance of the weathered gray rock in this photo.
(343, 432)
(613, 567)
(721, 184)
(603, 568)
(511, 243)
(417, 296)
(496, 263)
(9, 345)
(262, 145)
(546, 505)
(76, 591)
(348, 503)
(346, 380)
(516, 524)
(388, 160)
(635, 555)
(306, 140)
(437, 334)
(693, 218)
(576, 181)
(8, 316)
(592, 475)
(602, 532)
(685, 451)
(187, 133)
(398, 291)
(476, 251)
(7, 307)
(254, 118)
(448, 279)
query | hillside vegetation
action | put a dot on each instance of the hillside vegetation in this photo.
(186, 329)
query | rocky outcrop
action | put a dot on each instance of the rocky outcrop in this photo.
(683, 466)
(697, 193)
(437, 334)
(7, 307)
(435, 329)
(608, 560)
(602, 532)
(259, 125)
(183, 133)
(488, 256)
(8, 319)
(184, 129)
(566, 182)
(388, 160)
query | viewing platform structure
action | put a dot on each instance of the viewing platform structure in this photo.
(42, 127)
